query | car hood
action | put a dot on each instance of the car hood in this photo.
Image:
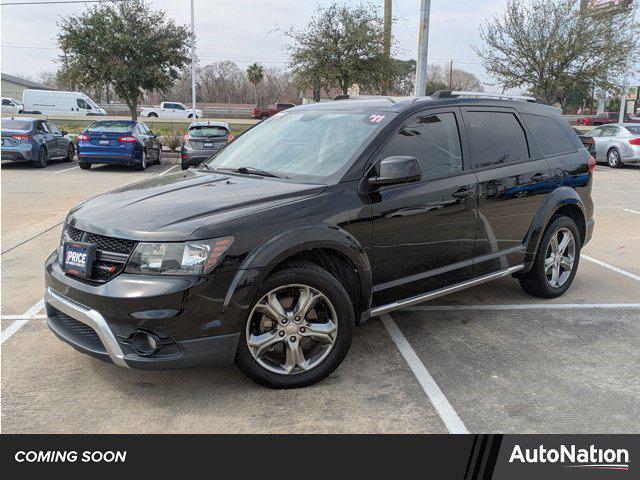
(176, 206)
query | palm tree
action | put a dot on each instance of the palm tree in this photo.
(255, 74)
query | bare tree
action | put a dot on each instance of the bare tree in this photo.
(549, 48)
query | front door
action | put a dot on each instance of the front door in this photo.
(424, 232)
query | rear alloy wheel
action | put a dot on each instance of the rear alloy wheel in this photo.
(556, 262)
(613, 158)
(70, 153)
(43, 158)
(142, 166)
(299, 330)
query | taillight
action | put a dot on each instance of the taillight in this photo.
(230, 137)
(21, 136)
(127, 139)
(591, 163)
(82, 137)
(635, 141)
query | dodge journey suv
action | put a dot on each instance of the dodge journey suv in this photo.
(271, 252)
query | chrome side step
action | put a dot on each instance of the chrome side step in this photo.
(423, 297)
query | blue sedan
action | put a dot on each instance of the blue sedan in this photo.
(118, 142)
(36, 141)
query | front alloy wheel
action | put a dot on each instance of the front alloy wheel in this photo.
(292, 329)
(299, 328)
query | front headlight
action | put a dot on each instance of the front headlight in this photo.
(189, 258)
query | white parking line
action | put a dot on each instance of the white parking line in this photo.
(446, 412)
(18, 324)
(65, 170)
(22, 317)
(528, 306)
(167, 171)
(611, 267)
(630, 211)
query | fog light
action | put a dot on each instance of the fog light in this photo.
(144, 343)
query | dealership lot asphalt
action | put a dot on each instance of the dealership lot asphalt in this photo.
(490, 359)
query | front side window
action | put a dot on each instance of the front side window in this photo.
(7, 102)
(610, 131)
(52, 128)
(596, 132)
(433, 139)
(496, 138)
(308, 146)
(41, 127)
(82, 104)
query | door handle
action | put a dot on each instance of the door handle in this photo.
(539, 176)
(462, 193)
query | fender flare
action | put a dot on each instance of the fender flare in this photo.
(557, 199)
(266, 256)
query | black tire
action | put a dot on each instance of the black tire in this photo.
(84, 165)
(318, 278)
(71, 152)
(142, 166)
(613, 158)
(43, 158)
(184, 165)
(190, 115)
(158, 160)
(535, 281)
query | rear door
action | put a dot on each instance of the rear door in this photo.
(47, 137)
(424, 232)
(513, 181)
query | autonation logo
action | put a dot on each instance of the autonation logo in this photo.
(590, 458)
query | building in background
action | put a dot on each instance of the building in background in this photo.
(13, 86)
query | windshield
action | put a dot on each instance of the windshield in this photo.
(306, 146)
(110, 127)
(91, 102)
(15, 124)
(208, 131)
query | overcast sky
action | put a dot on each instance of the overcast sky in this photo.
(246, 31)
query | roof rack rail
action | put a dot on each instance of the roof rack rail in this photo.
(497, 96)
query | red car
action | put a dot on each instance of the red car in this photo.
(266, 112)
(602, 119)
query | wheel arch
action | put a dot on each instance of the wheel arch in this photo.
(331, 248)
(563, 201)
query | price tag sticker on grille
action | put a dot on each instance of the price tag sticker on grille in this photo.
(78, 258)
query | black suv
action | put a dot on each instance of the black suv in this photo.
(270, 252)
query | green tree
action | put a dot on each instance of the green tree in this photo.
(342, 45)
(433, 86)
(255, 74)
(127, 46)
(550, 48)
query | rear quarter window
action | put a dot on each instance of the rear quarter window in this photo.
(549, 135)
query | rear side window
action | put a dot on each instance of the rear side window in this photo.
(433, 139)
(496, 138)
(549, 135)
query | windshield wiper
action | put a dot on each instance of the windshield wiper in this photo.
(250, 171)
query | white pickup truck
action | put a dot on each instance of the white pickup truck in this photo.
(169, 110)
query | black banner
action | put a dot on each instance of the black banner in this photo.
(456, 457)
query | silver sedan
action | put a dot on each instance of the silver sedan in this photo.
(617, 144)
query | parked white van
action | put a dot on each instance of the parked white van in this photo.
(51, 102)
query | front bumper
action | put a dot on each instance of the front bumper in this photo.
(189, 316)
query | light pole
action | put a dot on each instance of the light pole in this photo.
(423, 48)
(623, 97)
(193, 62)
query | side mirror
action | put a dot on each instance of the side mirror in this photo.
(64, 133)
(395, 171)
